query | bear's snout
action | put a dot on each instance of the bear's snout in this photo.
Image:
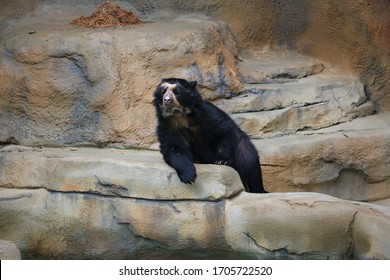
(168, 98)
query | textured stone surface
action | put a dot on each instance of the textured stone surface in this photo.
(47, 224)
(277, 67)
(308, 103)
(305, 226)
(87, 225)
(124, 173)
(331, 85)
(63, 85)
(349, 161)
(295, 118)
(9, 251)
(353, 34)
(350, 33)
(68, 86)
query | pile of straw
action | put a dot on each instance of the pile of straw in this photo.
(107, 15)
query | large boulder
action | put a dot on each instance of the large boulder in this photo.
(65, 85)
(89, 203)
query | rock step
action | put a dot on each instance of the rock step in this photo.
(296, 118)
(327, 86)
(89, 203)
(88, 226)
(277, 68)
(111, 172)
(349, 160)
(314, 102)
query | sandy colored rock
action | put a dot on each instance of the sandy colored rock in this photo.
(295, 118)
(332, 85)
(57, 225)
(353, 34)
(305, 225)
(71, 86)
(62, 86)
(277, 67)
(307, 103)
(77, 225)
(348, 161)
(110, 172)
(87, 203)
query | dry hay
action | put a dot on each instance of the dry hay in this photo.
(107, 15)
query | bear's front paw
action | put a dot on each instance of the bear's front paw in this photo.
(188, 175)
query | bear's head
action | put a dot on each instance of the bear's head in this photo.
(176, 97)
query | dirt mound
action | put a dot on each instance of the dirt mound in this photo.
(107, 15)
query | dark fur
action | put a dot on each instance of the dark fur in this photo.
(199, 132)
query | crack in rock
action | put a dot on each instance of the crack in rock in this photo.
(112, 188)
(283, 253)
(351, 245)
(304, 204)
(175, 209)
(254, 241)
(16, 197)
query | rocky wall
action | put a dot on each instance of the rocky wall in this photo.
(64, 85)
(88, 203)
(352, 34)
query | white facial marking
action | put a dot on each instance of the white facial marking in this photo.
(169, 86)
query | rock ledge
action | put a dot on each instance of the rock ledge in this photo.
(109, 172)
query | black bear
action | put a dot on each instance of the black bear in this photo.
(192, 130)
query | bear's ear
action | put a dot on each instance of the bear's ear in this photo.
(192, 84)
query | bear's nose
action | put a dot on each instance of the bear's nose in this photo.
(168, 100)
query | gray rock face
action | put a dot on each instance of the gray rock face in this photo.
(9, 251)
(72, 214)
